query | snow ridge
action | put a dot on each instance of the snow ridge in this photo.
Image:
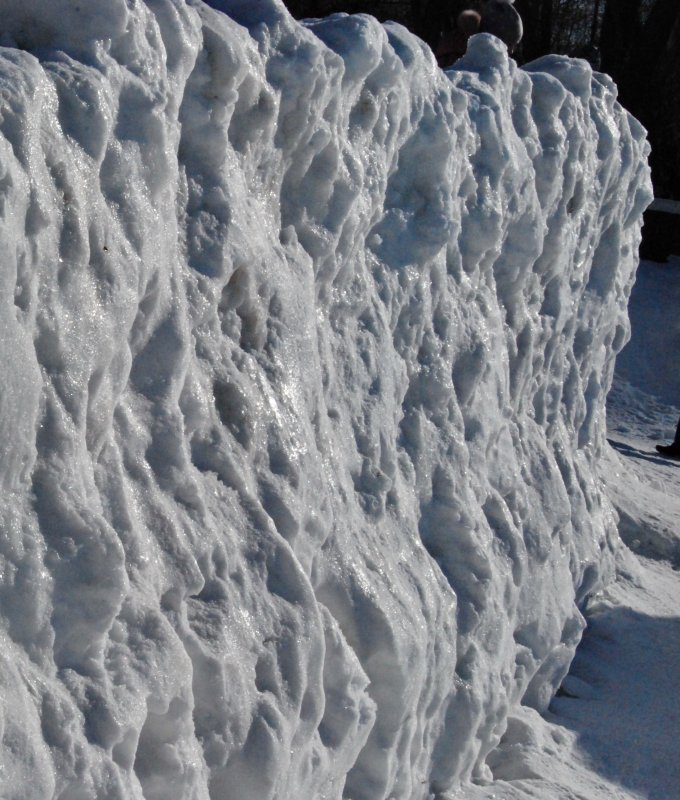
(306, 347)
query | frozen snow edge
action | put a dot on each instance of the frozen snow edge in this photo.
(307, 348)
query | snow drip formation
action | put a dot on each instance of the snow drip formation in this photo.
(305, 349)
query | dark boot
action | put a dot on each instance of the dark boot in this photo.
(669, 450)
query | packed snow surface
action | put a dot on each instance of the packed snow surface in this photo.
(305, 348)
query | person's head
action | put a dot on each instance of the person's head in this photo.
(502, 20)
(468, 22)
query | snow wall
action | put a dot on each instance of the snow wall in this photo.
(305, 348)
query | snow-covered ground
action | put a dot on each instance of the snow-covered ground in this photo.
(305, 345)
(612, 732)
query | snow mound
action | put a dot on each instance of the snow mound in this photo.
(306, 345)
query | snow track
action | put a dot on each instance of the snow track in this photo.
(306, 347)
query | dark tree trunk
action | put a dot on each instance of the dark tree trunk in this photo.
(546, 25)
(621, 28)
(531, 46)
(657, 99)
(430, 19)
(595, 23)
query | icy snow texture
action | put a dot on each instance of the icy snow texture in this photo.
(305, 346)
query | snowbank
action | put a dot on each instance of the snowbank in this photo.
(305, 346)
